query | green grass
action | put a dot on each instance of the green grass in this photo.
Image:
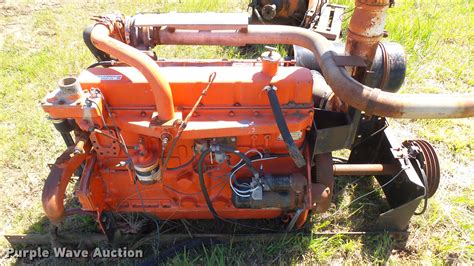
(41, 42)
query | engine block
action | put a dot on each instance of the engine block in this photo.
(235, 112)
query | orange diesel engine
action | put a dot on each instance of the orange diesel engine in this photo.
(235, 139)
(189, 139)
(231, 143)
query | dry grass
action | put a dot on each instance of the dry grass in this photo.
(41, 42)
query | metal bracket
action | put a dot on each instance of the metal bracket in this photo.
(403, 194)
(349, 60)
(330, 22)
(105, 146)
(334, 130)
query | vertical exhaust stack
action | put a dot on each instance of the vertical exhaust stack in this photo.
(366, 28)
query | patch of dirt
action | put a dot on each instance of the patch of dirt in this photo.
(15, 9)
(16, 21)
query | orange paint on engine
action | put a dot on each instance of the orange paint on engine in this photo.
(234, 108)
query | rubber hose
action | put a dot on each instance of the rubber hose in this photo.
(293, 150)
(67, 138)
(98, 54)
(203, 185)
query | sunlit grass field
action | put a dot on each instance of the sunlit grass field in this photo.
(41, 41)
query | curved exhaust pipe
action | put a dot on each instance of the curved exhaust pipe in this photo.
(57, 181)
(101, 39)
(372, 101)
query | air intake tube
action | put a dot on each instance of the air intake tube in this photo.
(101, 37)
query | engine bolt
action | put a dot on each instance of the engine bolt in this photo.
(231, 114)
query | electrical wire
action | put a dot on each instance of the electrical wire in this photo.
(107, 63)
(242, 192)
(245, 160)
(203, 185)
(208, 200)
(184, 165)
(371, 135)
(277, 155)
(237, 191)
(125, 149)
(88, 101)
(247, 152)
(184, 123)
(373, 191)
(424, 180)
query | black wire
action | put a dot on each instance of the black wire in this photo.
(182, 166)
(242, 156)
(100, 112)
(125, 149)
(102, 63)
(424, 180)
(425, 207)
(256, 158)
(203, 185)
(209, 201)
(371, 135)
(267, 155)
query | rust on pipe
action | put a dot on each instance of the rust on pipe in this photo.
(366, 28)
(101, 39)
(365, 32)
(364, 169)
(372, 101)
(322, 190)
(56, 183)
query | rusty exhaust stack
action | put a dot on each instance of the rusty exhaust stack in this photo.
(366, 28)
(372, 101)
(101, 39)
